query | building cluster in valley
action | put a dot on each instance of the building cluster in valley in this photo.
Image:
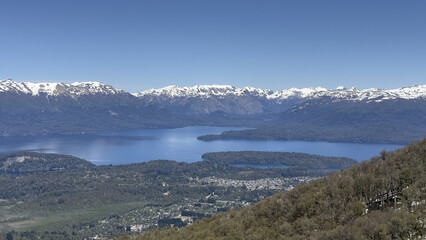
(258, 184)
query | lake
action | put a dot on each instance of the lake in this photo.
(180, 144)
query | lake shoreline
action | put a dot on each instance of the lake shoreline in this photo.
(178, 144)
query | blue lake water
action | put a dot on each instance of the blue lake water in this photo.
(180, 144)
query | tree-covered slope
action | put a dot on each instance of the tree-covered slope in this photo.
(291, 159)
(23, 114)
(27, 162)
(384, 198)
(53, 196)
(399, 121)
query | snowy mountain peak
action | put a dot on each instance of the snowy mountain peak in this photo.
(55, 89)
(197, 90)
(374, 94)
(85, 88)
(206, 91)
(352, 94)
(202, 91)
(228, 90)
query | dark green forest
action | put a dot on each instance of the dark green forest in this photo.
(383, 198)
(27, 162)
(291, 159)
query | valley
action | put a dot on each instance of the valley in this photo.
(233, 147)
(383, 198)
(62, 197)
(215, 120)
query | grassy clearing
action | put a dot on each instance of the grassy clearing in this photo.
(62, 220)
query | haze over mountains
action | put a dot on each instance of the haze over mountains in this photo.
(45, 108)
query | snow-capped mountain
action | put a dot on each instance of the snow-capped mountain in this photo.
(206, 99)
(203, 91)
(208, 91)
(353, 94)
(56, 89)
(43, 108)
(374, 94)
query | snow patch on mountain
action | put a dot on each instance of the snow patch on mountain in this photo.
(341, 93)
(174, 91)
(295, 93)
(201, 91)
(55, 89)
(220, 91)
(374, 94)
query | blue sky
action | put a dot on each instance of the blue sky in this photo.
(137, 45)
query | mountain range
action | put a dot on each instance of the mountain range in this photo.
(44, 108)
(175, 93)
(413, 92)
(218, 97)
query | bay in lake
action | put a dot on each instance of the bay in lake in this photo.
(180, 144)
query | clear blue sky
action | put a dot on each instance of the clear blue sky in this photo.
(137, 45)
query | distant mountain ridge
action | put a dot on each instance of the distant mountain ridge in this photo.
(349, 115)
(56, 89)
(206, 99)
(173, 91)
(206, 91)
(59, 108)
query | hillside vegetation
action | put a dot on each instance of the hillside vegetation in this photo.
(291, 159)
(325, 119)
(383, 198)
(53, 196)
(26, 162)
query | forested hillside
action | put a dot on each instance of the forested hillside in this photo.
(398, 121)
(291, 159)
(54, 196)
(383, 198)
(28, 162)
